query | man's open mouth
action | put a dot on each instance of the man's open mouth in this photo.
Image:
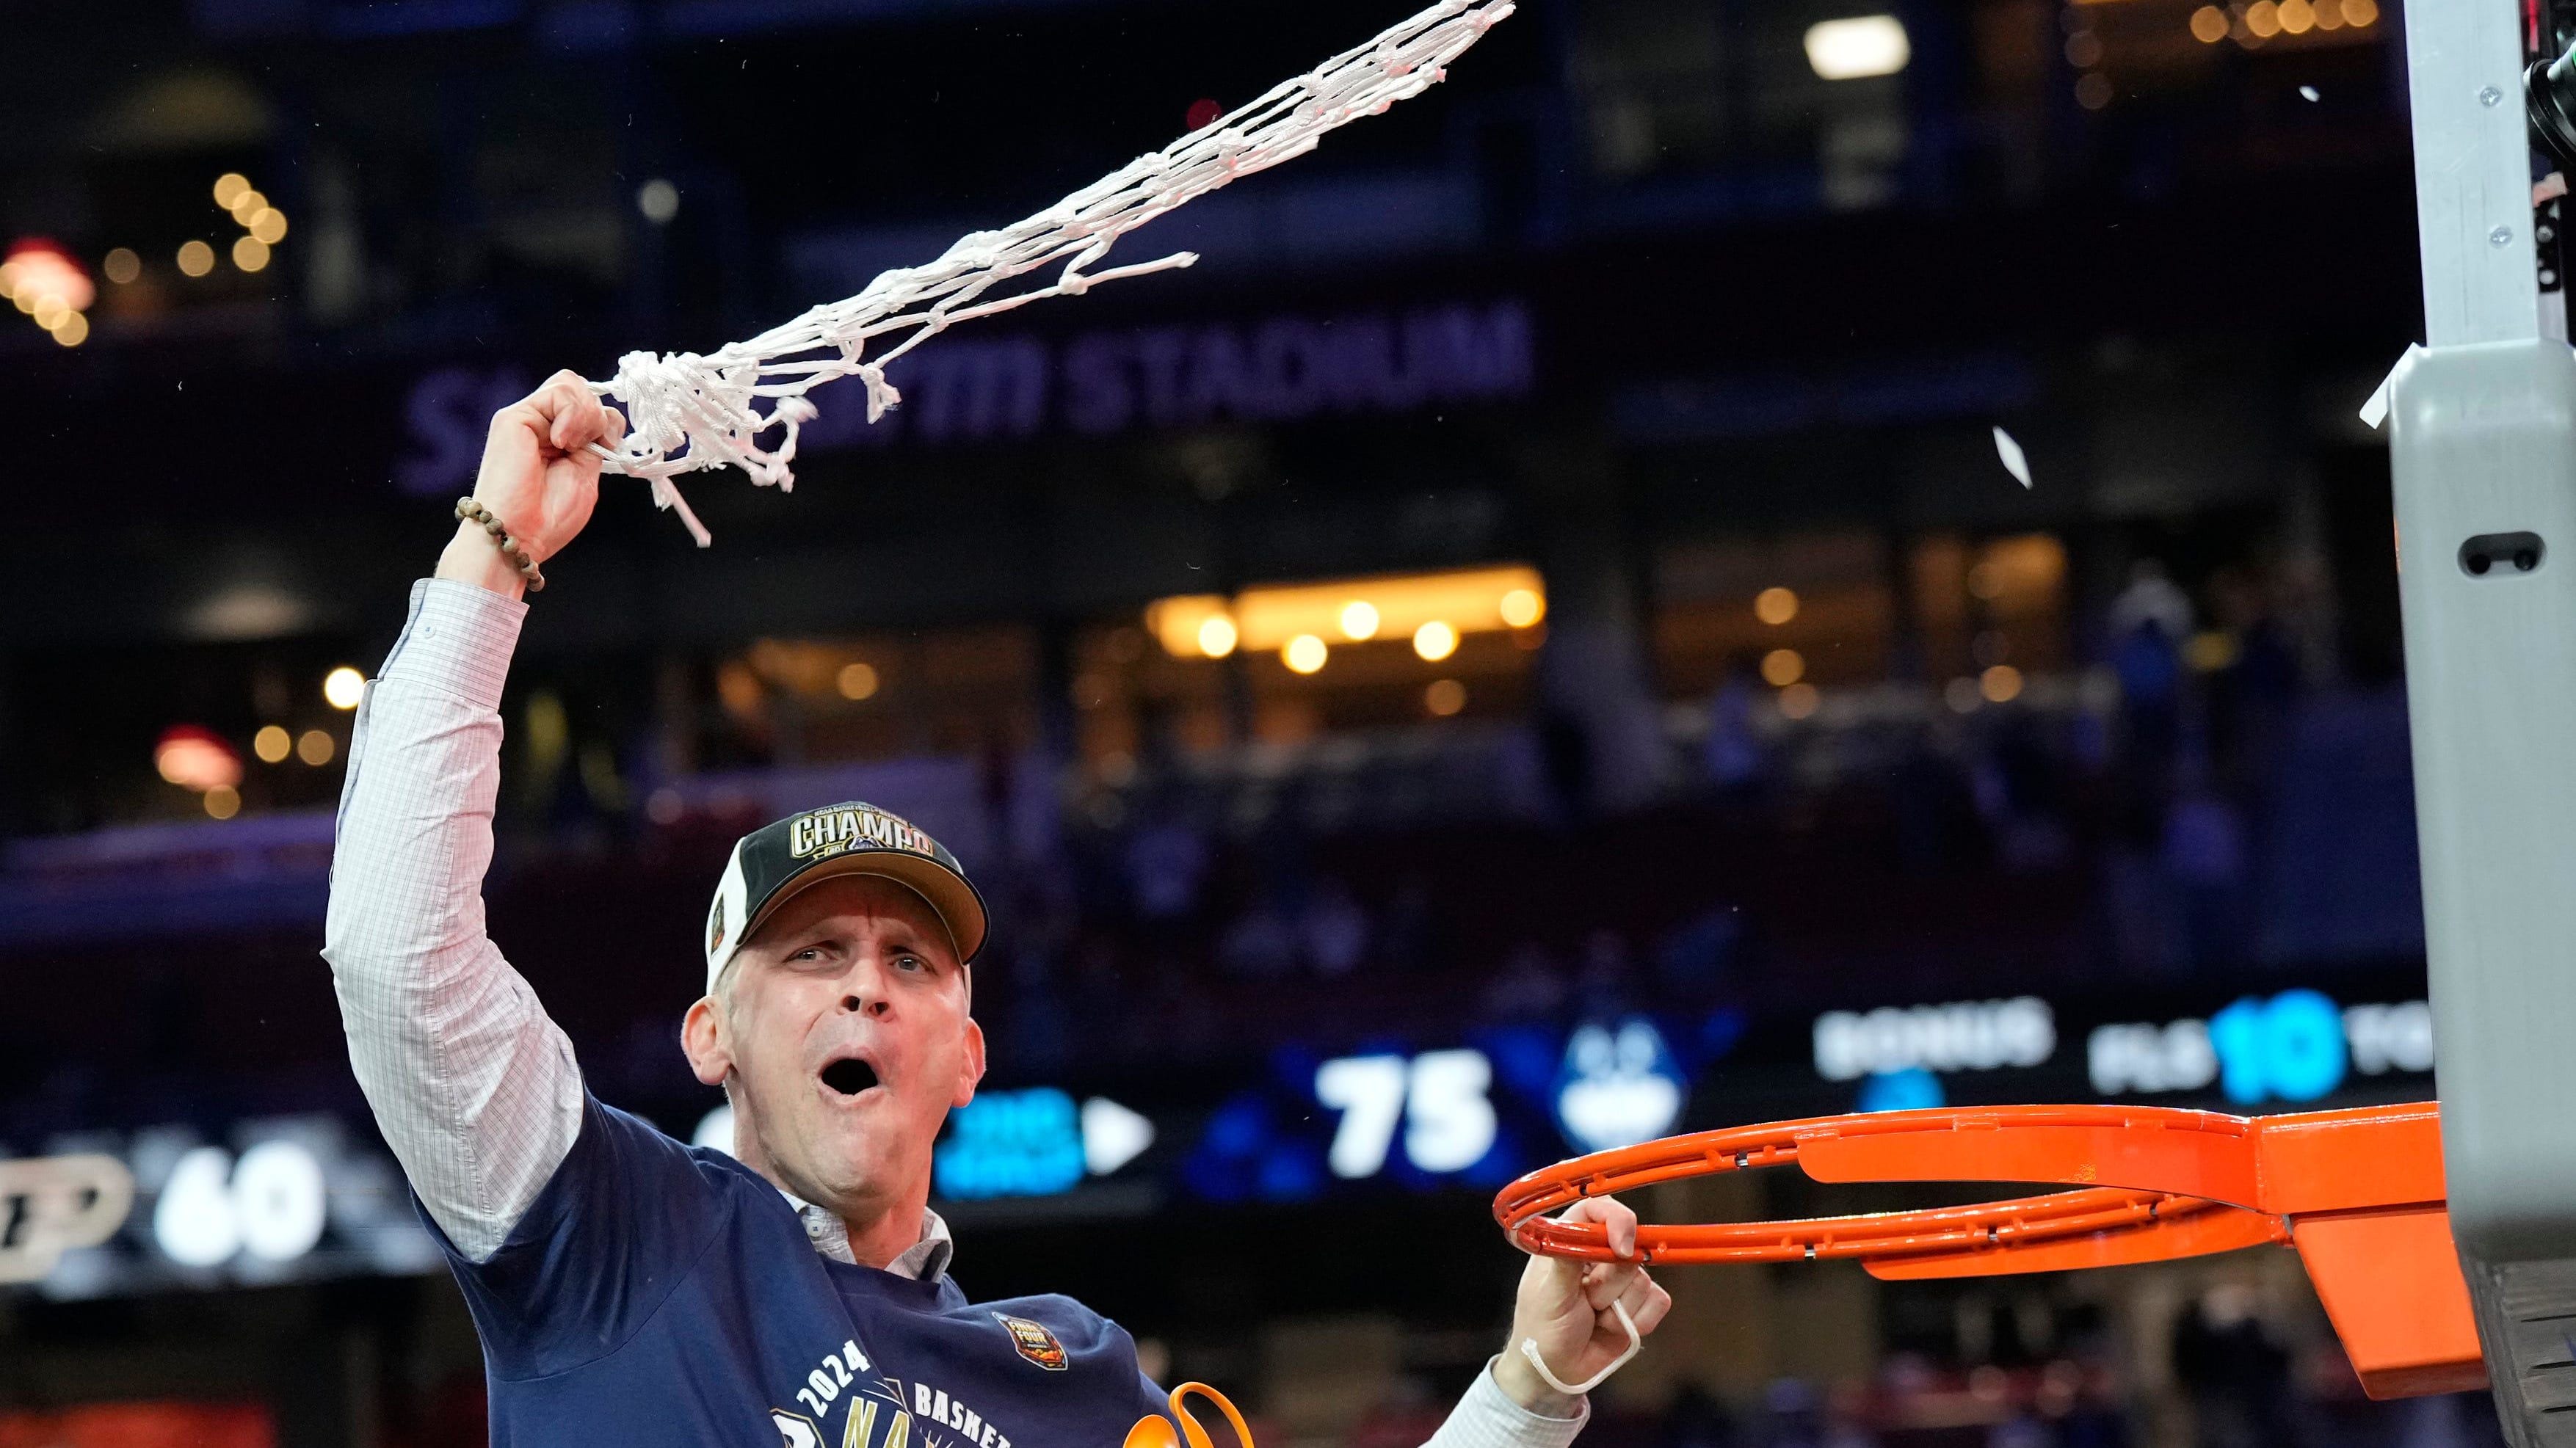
(850, 1076)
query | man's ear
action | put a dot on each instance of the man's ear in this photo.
(972, 1072)
(702, 1039)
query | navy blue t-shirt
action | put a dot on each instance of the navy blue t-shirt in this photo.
(664, 1294)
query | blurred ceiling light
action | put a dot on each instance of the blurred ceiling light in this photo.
(1304, 654)
(2209, 25)
(2263, 18)
(1444, 697)
(272, 744)
(223, 802)
(1469, 600)
(2298, 17)
(1798, 701)
(1775, 606)
(857, 681)
(2360, 12)
(2000, 684)
(194, 758)
(2084, 50)
(247, 205)
(314, 747)
(1435, 641)
(122, 265)
(72, 330)
(1217, 636)
(268, 224)
(230, 187)
(49, 312)
(1857, 48)
(659, 200)
(1359, 620)
(250, 253)
(343, 687)
(196, 259)
(1783, 667)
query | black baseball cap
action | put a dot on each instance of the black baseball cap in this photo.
(775, 861)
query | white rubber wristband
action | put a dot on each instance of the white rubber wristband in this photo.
(1636, 1343)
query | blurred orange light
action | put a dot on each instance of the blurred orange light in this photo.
(2263, 18)
(195, 758)
(230, 187)
(1217, 636)
(1470, 600)
(196, 259)
(268, 224)
(1444, 697)
(37, 272)
(1783, 667)
(1435, 641)
(2209, 25)
(1304, 654)
(2360, 12)
(72, 330)
(223, 802)
(1775, 606)
(1799, 701)
(2093, 91)
(122, 265)
(2000, 684)
(250, 253)
(2298, 17)
(315, 747)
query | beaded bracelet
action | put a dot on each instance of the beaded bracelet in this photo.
(473, 512)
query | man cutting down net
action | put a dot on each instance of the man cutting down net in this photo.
(633, 1290)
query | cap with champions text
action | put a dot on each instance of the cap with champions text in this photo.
(777, 860)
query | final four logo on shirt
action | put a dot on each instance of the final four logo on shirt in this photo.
(828, 832)
(1034, 1342)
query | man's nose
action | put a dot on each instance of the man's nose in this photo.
(864, 990)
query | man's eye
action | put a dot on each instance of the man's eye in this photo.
(811, 952)
(910, 962)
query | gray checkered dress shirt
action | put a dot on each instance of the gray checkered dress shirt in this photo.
(476, 1090)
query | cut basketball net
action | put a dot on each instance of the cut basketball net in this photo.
(686, 412)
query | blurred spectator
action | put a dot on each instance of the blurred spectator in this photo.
(1733, 753)
(1166, 863)
(1698, 1419)
(1334, 930)
(1605, 984)
(2151, 599)
(2236, 1376)
(1692, 962)
(1529, 988)
(1261, 944)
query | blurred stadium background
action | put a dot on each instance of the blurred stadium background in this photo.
(1528, 646)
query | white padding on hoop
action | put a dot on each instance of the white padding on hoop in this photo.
(686, 412)
(1636, 1344)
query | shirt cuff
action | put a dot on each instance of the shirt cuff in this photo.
(1486, 1417)
(459, 638)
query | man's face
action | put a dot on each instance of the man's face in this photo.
(841, 1035)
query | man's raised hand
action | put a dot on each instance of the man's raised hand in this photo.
(539, 477)
(1565, 1308)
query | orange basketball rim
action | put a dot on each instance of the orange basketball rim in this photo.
(2358, 1193)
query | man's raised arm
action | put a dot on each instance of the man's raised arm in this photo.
(475, 1089)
